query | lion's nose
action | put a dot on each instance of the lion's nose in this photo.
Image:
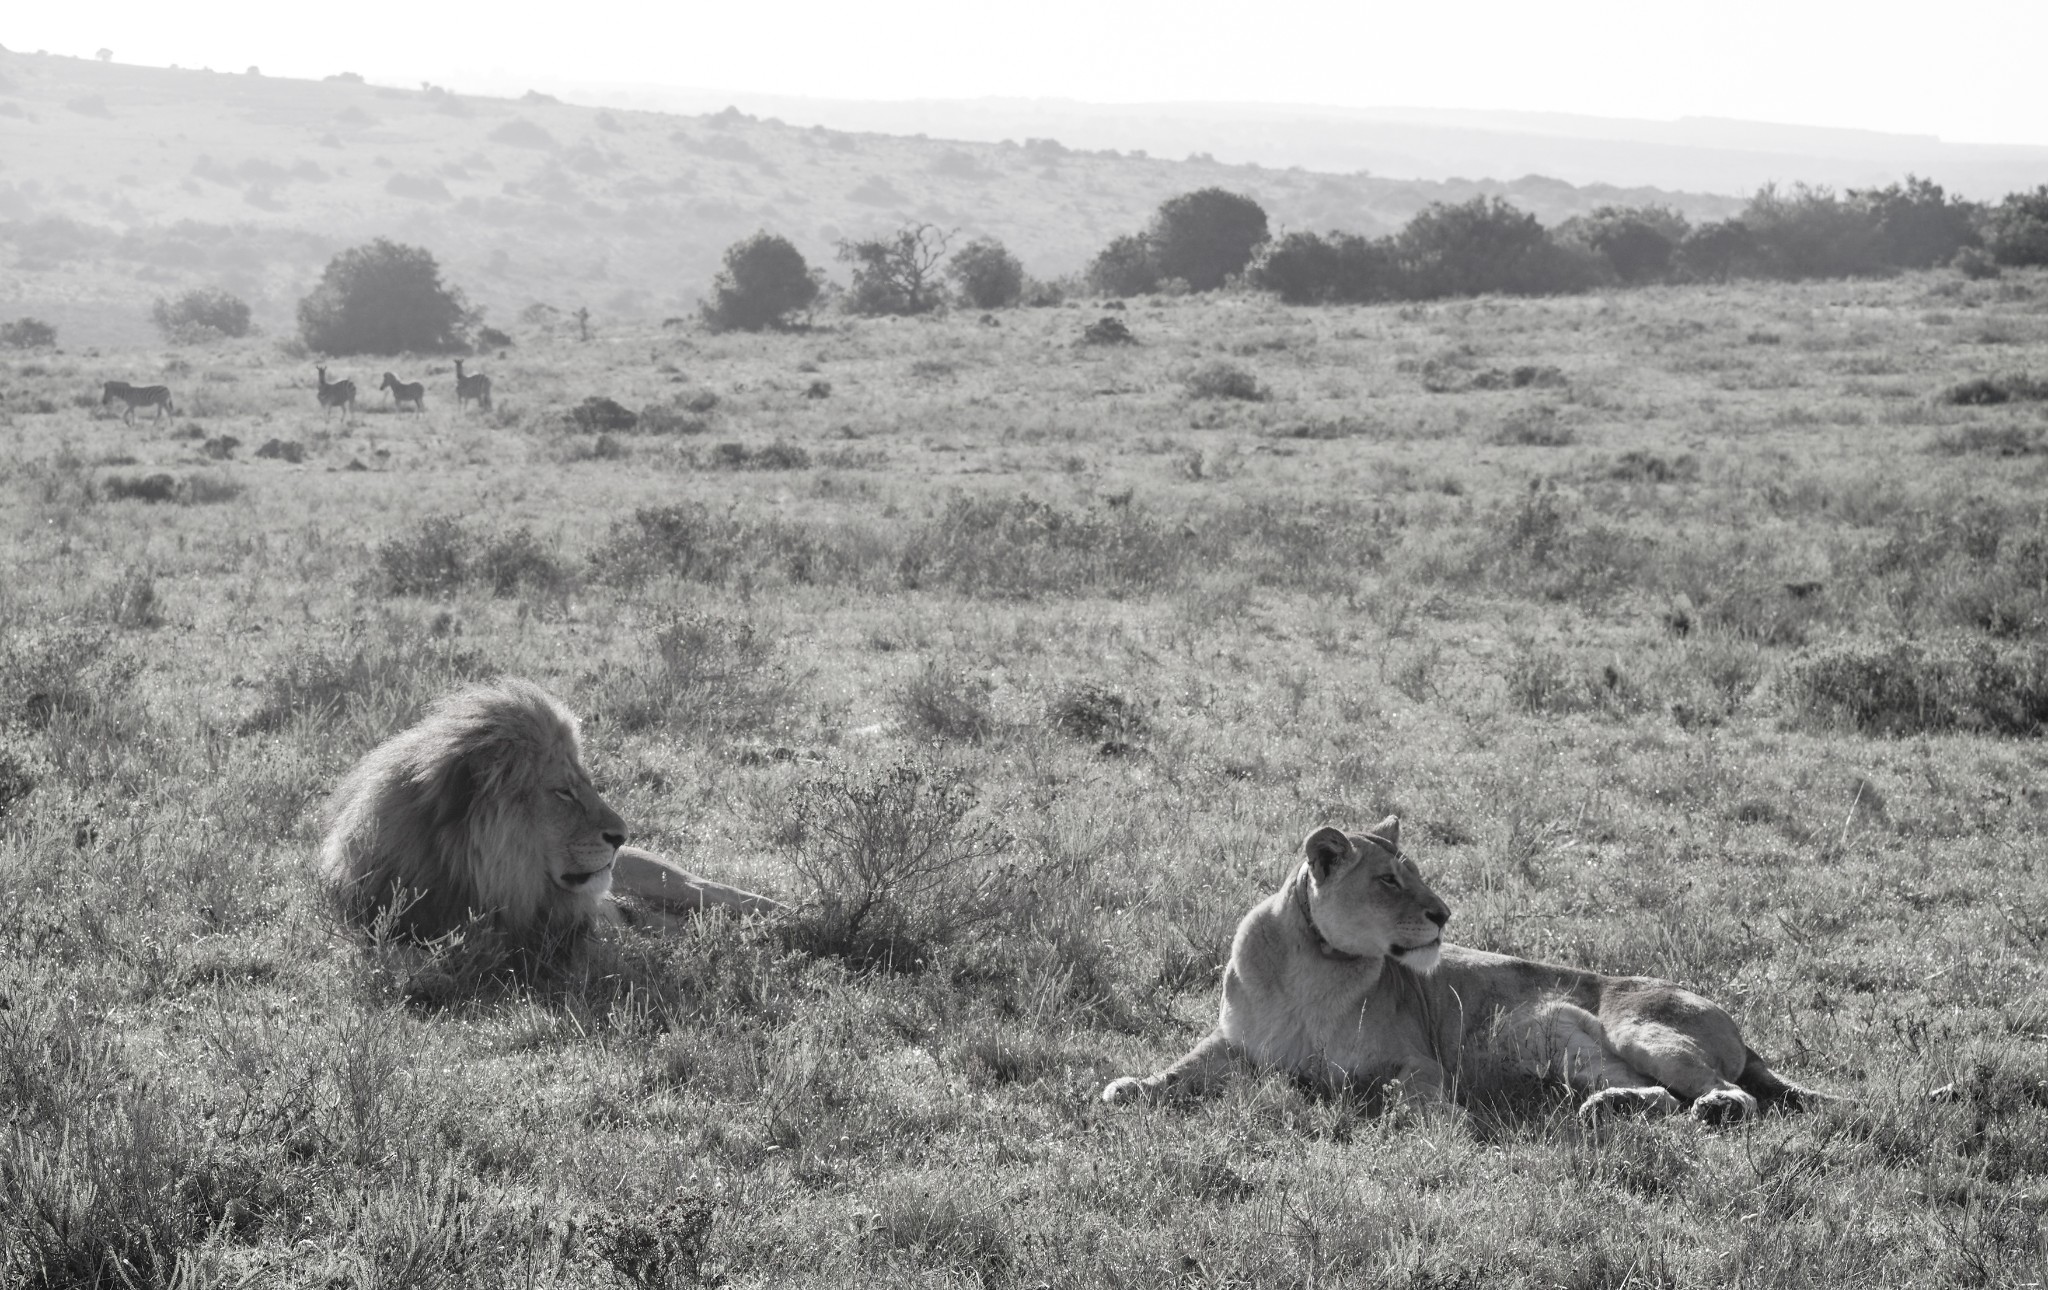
(616, 838)
(1439, 916)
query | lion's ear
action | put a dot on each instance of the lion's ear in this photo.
(1326, 848)
(1387, 832)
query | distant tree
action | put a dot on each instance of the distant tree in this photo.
(384, 298)
(27, 333)
(104, 55)
(200, 313)
(1300, 268)
(764, 281)
(1718, 251)
(1919, 225)
(1125, 267)
(1205, 236)
(897, 274)
(986, 274)
(1483, 245)
(2019, 228)
(1638, 243)
(1809, 232)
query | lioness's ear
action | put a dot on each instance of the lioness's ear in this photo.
(1326, 848)
(1387, 831)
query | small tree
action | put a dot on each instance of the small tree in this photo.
(1300, 268)
(199, 313)
(1637, 242)
(1472, 247)
(764, 281)
(1718, 251)
(27, 333)
(384, 298)
(986, 274)
(898, 274)
(1125, 267)
(2019, 228)
(1809, 232)
(1919, 225)
(1205, 236)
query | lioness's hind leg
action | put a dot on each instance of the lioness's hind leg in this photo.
(1694, 1066)
(1560, 1040)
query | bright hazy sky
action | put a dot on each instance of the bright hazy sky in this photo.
(1967, 70)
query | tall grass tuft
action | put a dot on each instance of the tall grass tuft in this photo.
(706, 677)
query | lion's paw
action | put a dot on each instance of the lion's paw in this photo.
(1724, 1106)
(1628, 1101)
(1128, 1089)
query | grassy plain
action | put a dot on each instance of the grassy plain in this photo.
(1692, 632)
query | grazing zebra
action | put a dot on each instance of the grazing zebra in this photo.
(476, 387)
(138, 396)
(403, 392)
(337, 394)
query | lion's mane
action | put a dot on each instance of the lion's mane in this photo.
(436, 825)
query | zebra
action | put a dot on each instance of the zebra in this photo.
(403, 392)
(138, 396)
(337, 394)
(476, 387)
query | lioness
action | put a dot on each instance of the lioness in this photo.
(1342, 977)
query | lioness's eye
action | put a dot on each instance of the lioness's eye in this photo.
(1390, 880)
(565, 794)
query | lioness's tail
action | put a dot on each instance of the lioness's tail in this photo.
(1772, 1090)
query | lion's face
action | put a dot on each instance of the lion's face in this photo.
(580, 833)
(1368, 899)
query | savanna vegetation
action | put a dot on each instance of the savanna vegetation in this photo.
(1695, 631)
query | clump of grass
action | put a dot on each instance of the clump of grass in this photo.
(1537, 427)
(383, 674)
(1095, 713)
(705, 675)
(1895, 685)
(898, 862)
(1993, 440)
(775, 456)
(158, 487)
(18, 777)
(287, 450)
(1984, 391)
(1637, 465)
(1022, 547)
(670, 418)
(1221, 380)
(946, 703)
(1107, 331)
(60, 671)
(440, 556)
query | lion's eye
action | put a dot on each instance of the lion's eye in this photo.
(1390, 879)
(567, 795)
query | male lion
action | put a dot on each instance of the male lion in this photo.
(484, 808)
(1342, 978)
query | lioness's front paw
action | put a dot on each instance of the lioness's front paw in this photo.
(1724, 1106)
(1628, 1101)
(1128, 1089)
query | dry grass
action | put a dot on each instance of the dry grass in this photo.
(1026, 680)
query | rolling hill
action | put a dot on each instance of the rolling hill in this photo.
(121, 183)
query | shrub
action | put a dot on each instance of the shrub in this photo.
(521, 133)
(1984, 391)
(492, 338)
(1094, 713)
(986, 274)
(1107, 331)
(947, 703)
(709, 676)
(27, 333)
(2019, 228)
(1639, 243)
(897, 274)
(440, 556)
(896, 861)
(1900, 685)
(1300, 268)
(1204, 237)
(1718, 251)
(384, 298)
(1975, 263)
(1221, 380)
(1484, 245)
(598, 413)
(764, 281)
(200, 313)
(1811, 233)
(1125, 267)
(1918, 225)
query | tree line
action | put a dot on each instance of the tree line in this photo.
(385, 297)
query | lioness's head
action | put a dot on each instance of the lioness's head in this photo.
(484, 807)
(1366, 898)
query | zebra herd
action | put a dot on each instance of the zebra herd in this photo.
(469, 388)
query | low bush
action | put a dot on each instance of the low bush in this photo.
(1107, 331)
(705, 677)
(1986, 391)
(440, 556)
(598, 413)
(898, 862)
(27, 333)
(947, 703)
(1221, 380)
(1899, 685)
(200, 314)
